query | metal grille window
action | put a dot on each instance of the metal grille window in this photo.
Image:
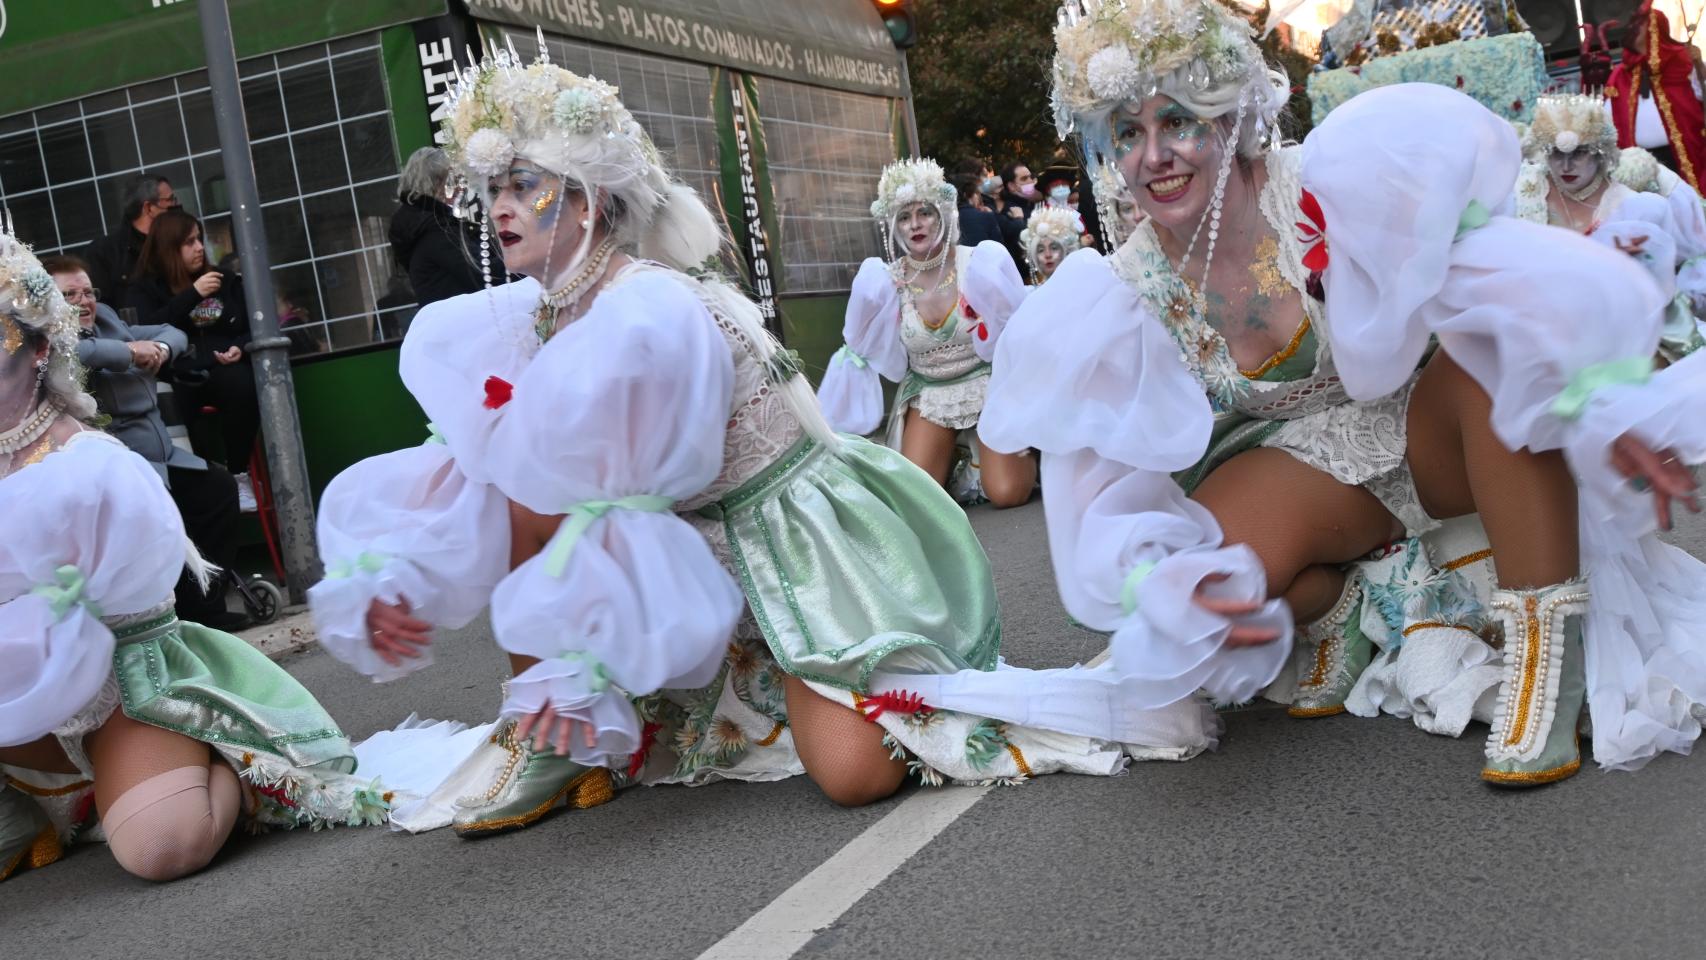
(325, 163)
(826, 148)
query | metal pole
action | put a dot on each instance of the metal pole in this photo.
(906, 95)
(268, 352)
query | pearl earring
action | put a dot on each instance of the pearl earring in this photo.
(586, 223)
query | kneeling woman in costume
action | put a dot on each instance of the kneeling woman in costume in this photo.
(1259, 343)
(694, 577)
(913, 321)
(115, 716)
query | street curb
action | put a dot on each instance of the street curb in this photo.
(291, 633)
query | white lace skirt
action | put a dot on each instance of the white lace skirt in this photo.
(956, 405)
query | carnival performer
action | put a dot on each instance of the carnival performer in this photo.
(694, 577)
(1655, 97)
(909, 321)
(1050, 234)
(1257, 342)
(1577, 178)
(117, 718)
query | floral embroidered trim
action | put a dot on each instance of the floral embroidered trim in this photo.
(1143, 265)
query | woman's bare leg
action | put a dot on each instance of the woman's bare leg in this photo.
(44, 755)
(1008, 478)
(843, 752)
(929, 445)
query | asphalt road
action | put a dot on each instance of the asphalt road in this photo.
(1326, 838)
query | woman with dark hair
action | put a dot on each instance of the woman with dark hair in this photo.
(175, 285)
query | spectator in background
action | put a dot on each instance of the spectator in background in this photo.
(439, 252)
(295, 321)
(112, 259)
(1012, 207)
(174, 285)
(123, 362)
(977, 224)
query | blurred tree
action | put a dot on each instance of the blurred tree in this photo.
(980, 81)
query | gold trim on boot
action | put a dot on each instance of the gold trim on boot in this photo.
(42, 849)
(1541, 694)
(1334, 648)
(497, 810)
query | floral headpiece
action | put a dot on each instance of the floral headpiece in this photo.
(28, 293)
(502, 108)
(1569, 123)
(1051, 223)
(910, 181)
(1110, 51)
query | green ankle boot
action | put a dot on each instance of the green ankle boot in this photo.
(1332, 653)
(528, 786)
(1533, 740)
(27, 837)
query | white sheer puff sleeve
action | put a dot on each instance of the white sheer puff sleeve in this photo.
(405, 526)
(1130, 551)
(991, 286)
(460, 356)
(620, 416)
(851, 393)
(90, 532)
(1083, 365)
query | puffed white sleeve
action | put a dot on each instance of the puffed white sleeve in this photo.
(90, 532)
(618, 418)
(991, 286)
(405, 526)
(1084, 365)
(851, 393)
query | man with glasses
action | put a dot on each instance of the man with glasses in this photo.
(123, 362)
(112, 259)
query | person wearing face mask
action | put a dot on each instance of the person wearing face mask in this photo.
(695, 577)
(1346, 329)
(976, 223)
(1013, 203)
(908, 321)
(1575, 177)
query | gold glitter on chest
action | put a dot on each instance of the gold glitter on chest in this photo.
(13, 336)
(1266, 270)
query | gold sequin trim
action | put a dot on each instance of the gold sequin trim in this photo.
(775, 732)
(43, 850)
(36, 791)
(1284, 355)
(1310, 713)
(1019, 759)
(1467, 559)
(1323, 660)
(1440, 624)
(1530, 666)
(13, 340)
(1672, 132)
(590, 789)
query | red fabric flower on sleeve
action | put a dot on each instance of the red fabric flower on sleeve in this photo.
(498, 392)
(979, 328)
(1312, 233)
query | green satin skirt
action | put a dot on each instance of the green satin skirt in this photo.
(857, 559)
(213, 687)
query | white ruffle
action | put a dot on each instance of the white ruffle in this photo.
(406, 525)
(1441, 678)
(630, 400)
(453, 347)
(991, 285)
(851, 393)
(1083, 365)
(95, 506)
(956, 406)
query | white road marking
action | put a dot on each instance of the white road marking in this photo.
(791, 920)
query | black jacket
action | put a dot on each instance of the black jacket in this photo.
(214, 324)
(440, 253)
(977, 226)
(1012, 226)
(112, 263)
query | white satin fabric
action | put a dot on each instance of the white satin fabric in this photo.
(94, 506)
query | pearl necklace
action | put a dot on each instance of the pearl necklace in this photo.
(545, 317)
(30, 429)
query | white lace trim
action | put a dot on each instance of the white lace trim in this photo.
(1363, 445)
(956, 405)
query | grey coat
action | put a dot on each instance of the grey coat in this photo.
(128, 394)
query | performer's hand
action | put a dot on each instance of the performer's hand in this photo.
(549, 729)
(1239, 635)
(1635, 247)
(1663, 473)
(395, 635)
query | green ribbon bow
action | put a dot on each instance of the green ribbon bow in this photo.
(598, 677)
(783, 365)
(581, 516)
(364, 562)
(1475, 216)
(66, 591)
(1128, 593)
(433, 436)
(1574, 398)
(847, 354)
